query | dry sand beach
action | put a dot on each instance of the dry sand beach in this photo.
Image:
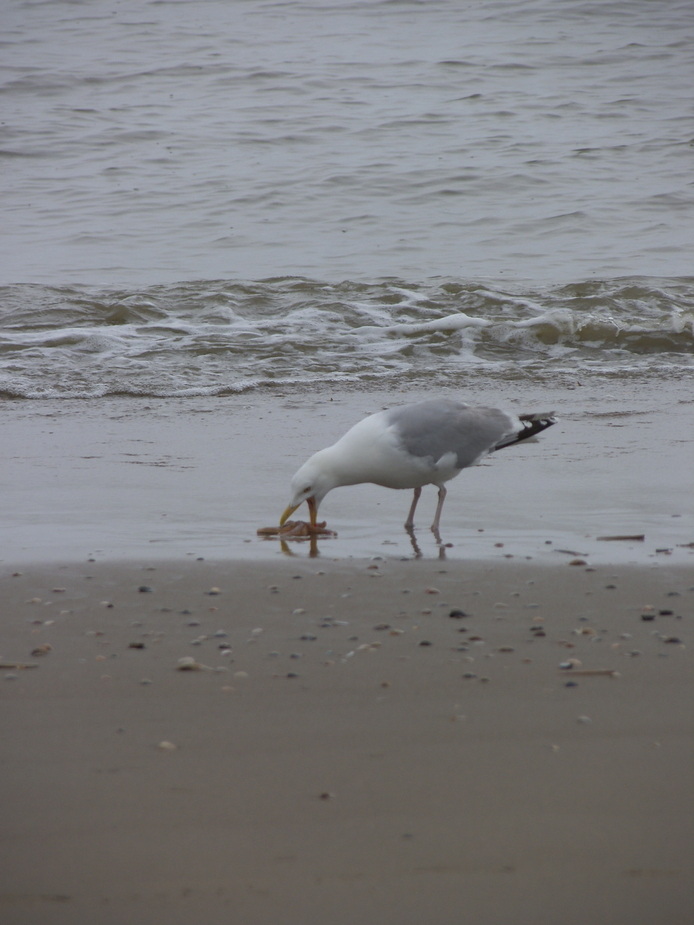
(207, 728)
(315, 741)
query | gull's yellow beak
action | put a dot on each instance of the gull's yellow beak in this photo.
(287, 514)
(313, 511)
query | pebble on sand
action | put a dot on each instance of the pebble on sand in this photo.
(188, 663)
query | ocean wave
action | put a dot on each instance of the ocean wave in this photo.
(227, 337)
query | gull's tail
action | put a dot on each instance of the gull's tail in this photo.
(533, 424)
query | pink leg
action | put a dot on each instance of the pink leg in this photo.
(439, 508)
(409, 523)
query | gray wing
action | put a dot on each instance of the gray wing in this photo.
(439, 426)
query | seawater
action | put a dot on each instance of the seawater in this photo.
(202, 197)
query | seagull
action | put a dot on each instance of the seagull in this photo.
(426, 443)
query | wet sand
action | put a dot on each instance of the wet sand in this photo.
(122, 479)
(369, 740)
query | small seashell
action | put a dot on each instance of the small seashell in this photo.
(42, 650)
(165, 746)
(188, 663)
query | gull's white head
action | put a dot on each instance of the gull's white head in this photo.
(311, 484)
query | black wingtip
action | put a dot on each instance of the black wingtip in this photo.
(534, 424)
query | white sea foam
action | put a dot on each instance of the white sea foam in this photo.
(182, 340)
